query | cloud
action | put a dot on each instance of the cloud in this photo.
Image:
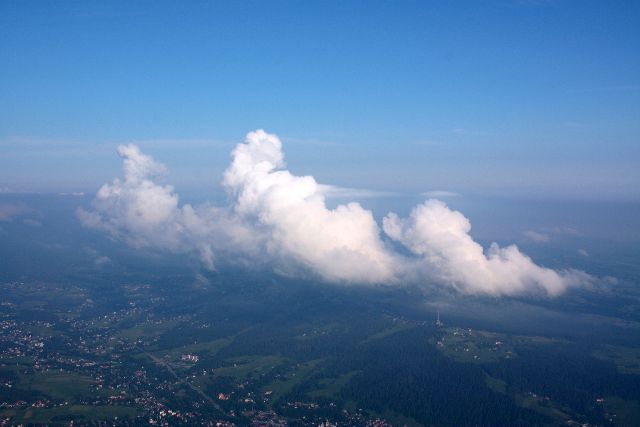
(583, 252)
(546, 234)
(439, 194)
(281, 220)
(141, 211)
(566, 231)
(145, 213)
(341, 244)
(536, 236)
(98, 259)
(136, 205)
(440, 238)
(102, 260)
(11, 210)
(335, 192)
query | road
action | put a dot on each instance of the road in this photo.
(168, 367)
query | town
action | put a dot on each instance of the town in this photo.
(96, 371)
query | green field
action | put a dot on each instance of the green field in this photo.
(626, 359)
(248, 366)
(57, 385)
(62, 415)
(147, 330)
(496, 384)
(537, 403)
(474, 346)
(209, 348)
(543, 406)
(330, 387)
(282, 386)
(388, 332)
(477, 346)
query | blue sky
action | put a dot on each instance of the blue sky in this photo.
(529, 98)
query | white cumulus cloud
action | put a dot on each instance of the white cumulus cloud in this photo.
(340, 244)
(440, 238)
(279, 219)
(145, 213)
